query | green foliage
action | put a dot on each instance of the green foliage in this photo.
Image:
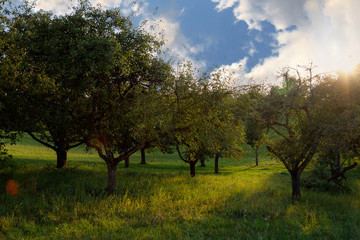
(88, 76)
(113, 76)
(6, 161)
(62, 75)
(36, 98)
(340, 136)
(255, 127)
(6, 137)
(4, 157)
(203, 118)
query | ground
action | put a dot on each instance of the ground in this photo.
(160, 200)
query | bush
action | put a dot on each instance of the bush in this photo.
(5, 158)
(319, 179)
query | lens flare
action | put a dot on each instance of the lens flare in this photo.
(12, 187)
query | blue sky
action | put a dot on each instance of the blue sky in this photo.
(227, 40)
(263, 36)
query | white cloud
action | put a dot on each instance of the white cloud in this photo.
(251, 49)
(278, 12)
(326, 34)
(234, 74)
(57, 6)
(178, 45)
(65, 6)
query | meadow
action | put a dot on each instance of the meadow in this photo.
(160, 200)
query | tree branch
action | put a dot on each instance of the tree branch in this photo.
(41, 141)
(280, 133)
(180, 155)
(342, 173)
(312, 152)
(77, 144)
(130, 152)
(97, 147)
(270, 149)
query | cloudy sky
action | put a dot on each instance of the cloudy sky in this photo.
(261, 36)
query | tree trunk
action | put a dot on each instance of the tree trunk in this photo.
(335, 166)
(217, 162)
(202, 161)
(61, 157)
(111, 178)
(143, 159)
(295, 180)
(127, 162)
(192, 168)
(256, 156)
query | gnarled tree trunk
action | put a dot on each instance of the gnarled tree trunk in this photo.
(127, 162)
(256, 156)
(61, 157)
(143, 159)
(111, 178)
(335, 165)
(295, 181)
(217, 162)
(192, 168)
(202, 161)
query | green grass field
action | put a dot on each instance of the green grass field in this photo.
(160, 200)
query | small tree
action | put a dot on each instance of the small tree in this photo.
(292, 116)
(130, 125)
(255, 134)
(255, 129)
(204, 115)
(341, 133)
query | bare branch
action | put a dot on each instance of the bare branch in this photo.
(41, 141)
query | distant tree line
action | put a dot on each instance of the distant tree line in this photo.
(91, 77)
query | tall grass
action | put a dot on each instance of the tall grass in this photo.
(160, 200)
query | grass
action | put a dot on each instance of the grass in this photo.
(160, 200)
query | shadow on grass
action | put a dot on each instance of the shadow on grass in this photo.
(50, 162)
(36, 176)
(42, 177)
(267, 212)
(248, 168)
(161, 201)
